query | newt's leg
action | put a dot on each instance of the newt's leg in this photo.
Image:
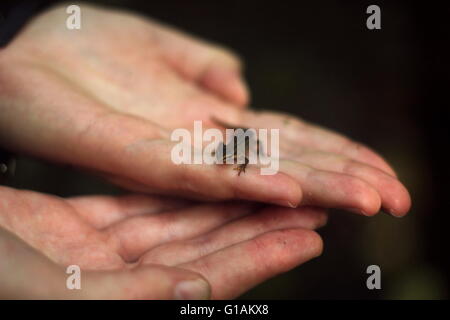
(241, 167)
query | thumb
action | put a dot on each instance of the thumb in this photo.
(145, 282)
(27, 274)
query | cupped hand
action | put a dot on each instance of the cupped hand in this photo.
(138, 246)
(107, 97)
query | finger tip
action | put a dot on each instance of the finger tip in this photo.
(237, 92)
(401, 207)
(315, 243)
(323, 219)
(370, 205)
(365, 199)
(290, 191)
(229, 84)
(297, 245)
(399, 202)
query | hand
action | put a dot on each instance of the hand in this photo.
(148, 244)
(106, 98)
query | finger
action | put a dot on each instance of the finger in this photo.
(213, 67)
(238, 268)
(102, 211)
(143, 282)
(136, 235)
(394, 196)
(333, 190)
(297, 132)
(242, 229)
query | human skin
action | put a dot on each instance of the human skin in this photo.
(106, 98)
(141, 247)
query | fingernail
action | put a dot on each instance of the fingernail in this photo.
(391, 212)
(357, 211)
(284, 203)
(192, 290)
(290, 204)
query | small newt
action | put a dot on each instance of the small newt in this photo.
(240, 136)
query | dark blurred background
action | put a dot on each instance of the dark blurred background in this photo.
(386, 88)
